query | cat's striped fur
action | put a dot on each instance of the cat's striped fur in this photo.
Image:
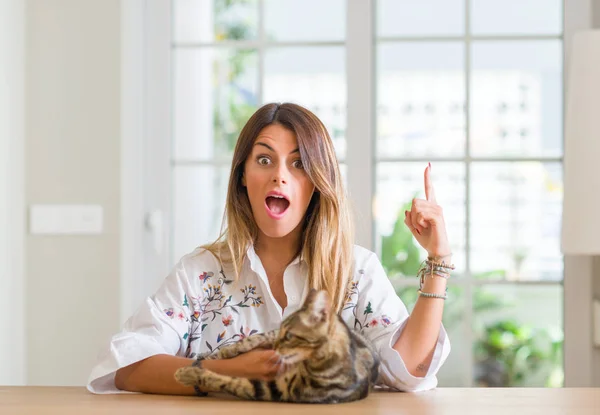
(327, 362)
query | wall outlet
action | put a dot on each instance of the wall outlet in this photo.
(65, 219)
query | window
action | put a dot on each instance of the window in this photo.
(476, 88)
(229, 58)
(473, 86)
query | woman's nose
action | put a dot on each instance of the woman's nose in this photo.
(280, 175)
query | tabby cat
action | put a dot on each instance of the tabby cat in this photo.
(326, 361)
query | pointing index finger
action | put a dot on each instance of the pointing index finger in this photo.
(429, 192)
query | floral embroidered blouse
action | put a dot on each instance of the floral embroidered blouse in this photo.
(198, 309)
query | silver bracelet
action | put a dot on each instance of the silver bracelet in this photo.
(432, 295)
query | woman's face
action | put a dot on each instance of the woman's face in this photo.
(278, 188)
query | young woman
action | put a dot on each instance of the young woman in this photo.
(288, 229)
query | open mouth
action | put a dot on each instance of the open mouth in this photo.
(276, 205)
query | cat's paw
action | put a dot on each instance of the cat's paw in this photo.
(190, 376)
(227, 353)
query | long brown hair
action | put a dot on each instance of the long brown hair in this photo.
(328, 232)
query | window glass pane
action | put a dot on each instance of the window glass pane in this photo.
(514, 17)
(306, 20)
(214, 94)
(397, 185)
(210, 21)
(515, 221)
(199, 194)
(519, 337)
(452, 373)
(420, 99)
(516, 98)
(420, 18)
(313, 77)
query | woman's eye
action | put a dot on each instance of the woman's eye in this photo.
(298, 164)
(263, 161)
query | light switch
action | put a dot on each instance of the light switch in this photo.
(65, 219)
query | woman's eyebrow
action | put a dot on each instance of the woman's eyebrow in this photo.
(260, 143)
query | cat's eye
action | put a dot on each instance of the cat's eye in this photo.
(288, 336)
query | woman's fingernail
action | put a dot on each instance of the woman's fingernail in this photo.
(429, 166)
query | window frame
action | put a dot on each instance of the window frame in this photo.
(468, 284)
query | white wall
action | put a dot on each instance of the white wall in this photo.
(578, 269)
(596, 262)
(12, 320)
(72, 155)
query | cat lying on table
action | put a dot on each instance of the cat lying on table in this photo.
(325, 361)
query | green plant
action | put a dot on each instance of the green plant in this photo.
(511, 354)
(399, 254)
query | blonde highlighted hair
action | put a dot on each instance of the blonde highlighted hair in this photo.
(328, 232)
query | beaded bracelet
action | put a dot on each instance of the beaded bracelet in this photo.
(435, 263)
(432, 271)
(433, 267)
(432, 295)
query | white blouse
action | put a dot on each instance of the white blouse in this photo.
(198, 309)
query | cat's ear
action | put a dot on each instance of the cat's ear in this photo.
(318, 305)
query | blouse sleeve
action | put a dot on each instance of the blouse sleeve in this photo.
(161, 325)
(381, 316)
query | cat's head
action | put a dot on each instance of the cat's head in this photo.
(306, 330)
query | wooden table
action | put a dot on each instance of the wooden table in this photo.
(77, 400)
